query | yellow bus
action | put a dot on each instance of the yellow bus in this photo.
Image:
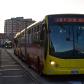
(53, 46)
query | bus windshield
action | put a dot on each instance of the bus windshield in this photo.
(66, 40)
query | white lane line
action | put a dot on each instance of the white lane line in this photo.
(8, 65)
(11, 70)
(13, 76)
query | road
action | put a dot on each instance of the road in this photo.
(11, 72)
(14, 71)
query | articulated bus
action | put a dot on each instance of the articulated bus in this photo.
(53, 46)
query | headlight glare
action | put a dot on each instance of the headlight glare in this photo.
(52, 62)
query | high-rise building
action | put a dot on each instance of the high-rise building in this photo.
(2, 39)
(14, 25)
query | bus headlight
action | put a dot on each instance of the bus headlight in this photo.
(52, 62)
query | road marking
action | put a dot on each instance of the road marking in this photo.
(10, 70)
(13, 76)
(8, 62)
(8, 65)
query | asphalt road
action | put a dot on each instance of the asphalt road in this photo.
(13, 71)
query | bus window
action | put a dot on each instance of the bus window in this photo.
(42, 33)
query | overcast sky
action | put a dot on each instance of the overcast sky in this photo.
(37, 9)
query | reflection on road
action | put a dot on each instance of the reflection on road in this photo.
(75, 82)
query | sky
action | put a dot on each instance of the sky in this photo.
(37, 9)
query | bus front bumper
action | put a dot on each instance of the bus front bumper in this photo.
(63, 71)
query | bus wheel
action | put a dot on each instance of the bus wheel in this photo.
(23, 58)
(28, 60)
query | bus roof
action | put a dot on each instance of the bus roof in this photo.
(33, 24)
(56, 15)
(72, 15)
(22, 32)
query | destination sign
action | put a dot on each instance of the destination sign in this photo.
(69, 19)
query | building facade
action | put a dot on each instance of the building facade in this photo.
(2, 39)
(14, 25)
